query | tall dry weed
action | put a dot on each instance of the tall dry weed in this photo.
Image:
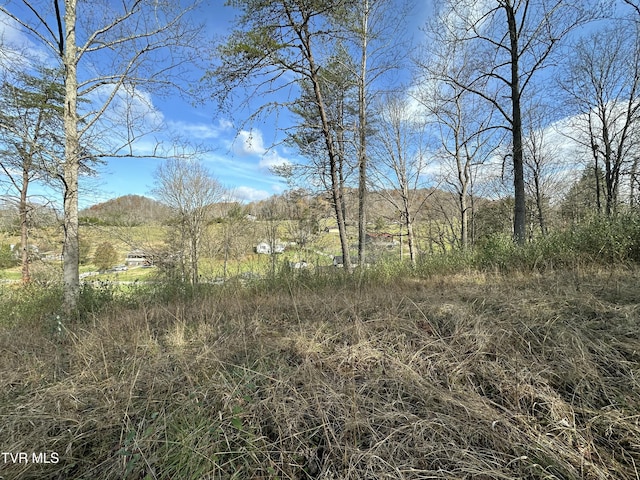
(496, 377)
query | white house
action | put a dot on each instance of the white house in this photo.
(265, 249)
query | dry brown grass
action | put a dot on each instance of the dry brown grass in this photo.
(483, 377)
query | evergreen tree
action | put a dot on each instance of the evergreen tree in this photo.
(31, 146)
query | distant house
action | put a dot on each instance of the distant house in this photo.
(137, 258)
(265, 249)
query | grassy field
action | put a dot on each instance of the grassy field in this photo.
(481, 376)
(125, 239)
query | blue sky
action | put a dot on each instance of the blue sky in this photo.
(239, 158)
(237, 154)
(240, 155)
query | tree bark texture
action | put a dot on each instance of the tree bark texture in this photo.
(70, 251)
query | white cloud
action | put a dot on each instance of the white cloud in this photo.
(137, 105)
(17, 51)
(272, 159)
(249, 143)
(224, 124)
(201, 131)
(249, 194)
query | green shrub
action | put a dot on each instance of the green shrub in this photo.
(7, 258)
(105, 256)
(30, 304)
(497, 252)
(455, 261)
(599, 240)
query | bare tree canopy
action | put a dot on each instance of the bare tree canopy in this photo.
(400, 171)
(510, 41)
(190, 191)
(602, 81)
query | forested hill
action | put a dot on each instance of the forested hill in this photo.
(126, 210)
(433, 203)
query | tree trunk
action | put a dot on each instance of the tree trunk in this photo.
(341, 160)
(596, 171)
(464, 220)
(24, 227)
(463, 180)
(333, 157)
(608, 171)
(362, 149)
(519, 219)
(70, 250)
(411, 242)
(183, 248)
(194, 258)
(633, 182)
(406, 219)
(338, 201)
(227, 239)
(539, 205)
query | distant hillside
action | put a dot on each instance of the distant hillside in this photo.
(126, 210)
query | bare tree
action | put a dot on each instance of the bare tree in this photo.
(375, 38)
(535, 160)
(190, 191)
(364, 38)
(108, 51)
(511, 41)
(545, 165)
(461, 120)
(234, 230)
(271, 216)
(302, 217)
(603, 81)
(401, 163)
